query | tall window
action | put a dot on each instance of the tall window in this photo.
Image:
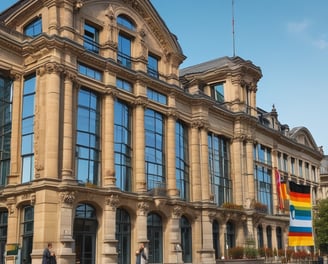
(123, 236)
(85, 234)
(122, 140)
(300, 168)
(155, 237)
(152, 67)
(124, 50)
(154, 152)
(230, 235)
(91, 38)
(292, 166)
(260, 236)
(34, 28)
(216, 239)
(182, 160)
(219, 163)
(186, 240)
(3, 233)
(27, 150)
(263, 182)
(5, 127)
(27, 227)
(269, 236)
(263, 175)
(279, 238)
(88, 136)
(217, 92)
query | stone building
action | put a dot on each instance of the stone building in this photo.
(106, 143)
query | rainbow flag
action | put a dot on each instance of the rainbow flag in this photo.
(300, 225)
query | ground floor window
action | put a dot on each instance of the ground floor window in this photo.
(155, 237)
(123, 236)
(27, 235)
(85, 234)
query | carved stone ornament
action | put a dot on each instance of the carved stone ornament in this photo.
(113, 201)
(67, 197)
(143, 208)
(177, 211)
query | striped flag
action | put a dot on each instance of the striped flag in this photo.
(300, 225)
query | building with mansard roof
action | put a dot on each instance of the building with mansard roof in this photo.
(105, 143)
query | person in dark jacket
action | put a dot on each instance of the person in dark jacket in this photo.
(48, 256)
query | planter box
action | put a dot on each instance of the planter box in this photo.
(240, 261)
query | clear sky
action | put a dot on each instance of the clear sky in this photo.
(287, 39)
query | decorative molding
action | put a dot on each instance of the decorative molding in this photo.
(143, 208)
(67, 197)
(113, 201)
(177, 211)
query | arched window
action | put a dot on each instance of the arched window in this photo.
(3, 233)
(279, 238)
(155, 237)
(260, 236)
(186, 240)
(216, 238)
(85, 234)
(27, 227)
(34, 28)
(124, 21)
(124, 41)
(269, 236)
(230, 235)
(123, 236)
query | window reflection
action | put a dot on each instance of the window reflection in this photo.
(87, 145)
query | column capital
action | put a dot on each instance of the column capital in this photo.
(113, 201)
(143, 208)
(67, 197)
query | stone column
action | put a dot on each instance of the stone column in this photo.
(51, 125)
(139, 140)
(175, 255)
(66, 252)
(223, 240)
(67, 20)
(206, 195)
(67, 159)
(109, 249)
(250, 170)
(141, 226)
(207, 251)
(171, 166)
(195, 179)
(52, 19)
(15, 154)
(108, 140)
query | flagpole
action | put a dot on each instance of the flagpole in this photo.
(233, 28)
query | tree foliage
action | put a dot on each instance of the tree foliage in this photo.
(321, 226)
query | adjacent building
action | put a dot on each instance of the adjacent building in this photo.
(106, 143)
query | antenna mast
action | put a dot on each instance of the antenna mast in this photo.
(233, 28)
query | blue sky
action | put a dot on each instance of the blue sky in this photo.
(287, 39)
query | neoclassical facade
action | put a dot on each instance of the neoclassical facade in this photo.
(106, 143)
